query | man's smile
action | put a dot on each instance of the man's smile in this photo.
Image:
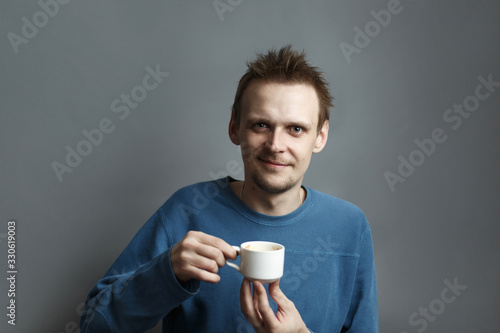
(273, 164)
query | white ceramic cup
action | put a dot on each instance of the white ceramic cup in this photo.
(261, 261)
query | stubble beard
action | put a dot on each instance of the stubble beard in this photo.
(274, 188)
(262, 181)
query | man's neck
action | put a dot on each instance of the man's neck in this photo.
(269, 203)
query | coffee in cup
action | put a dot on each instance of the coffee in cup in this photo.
(260, 261)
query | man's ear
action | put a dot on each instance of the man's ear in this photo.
(321, 138)
(233, 131)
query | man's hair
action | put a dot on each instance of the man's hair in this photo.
(289, 67)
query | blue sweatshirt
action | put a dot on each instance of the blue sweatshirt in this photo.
(329, 270)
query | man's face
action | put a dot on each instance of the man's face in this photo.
(278, 134)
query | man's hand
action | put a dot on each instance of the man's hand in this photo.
(257, 311)
(199, 256)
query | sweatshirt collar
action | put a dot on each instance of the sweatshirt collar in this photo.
(263, 219)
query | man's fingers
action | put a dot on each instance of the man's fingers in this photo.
(199, 256)
(277, 295)
(255, 306)
(247, 303)
(195, 267)
(211, 253)
(194, 272)
(205, 263)
(263, 307)
(227, 250)
(209, 246)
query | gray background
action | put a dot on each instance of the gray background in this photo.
(440, 224)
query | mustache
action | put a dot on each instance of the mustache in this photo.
(274, 159)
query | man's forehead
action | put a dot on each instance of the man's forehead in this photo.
(298, 99)
(260, 85)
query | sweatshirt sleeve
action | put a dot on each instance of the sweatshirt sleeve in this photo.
(140, 288)
(363, 310)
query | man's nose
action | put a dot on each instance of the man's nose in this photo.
(275, 141)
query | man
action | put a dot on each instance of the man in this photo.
(173, 270)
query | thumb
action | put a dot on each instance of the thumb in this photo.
(278, 296)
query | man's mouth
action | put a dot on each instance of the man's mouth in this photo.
(273, 164)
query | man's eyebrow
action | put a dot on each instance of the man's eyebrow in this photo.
(257, 119)
(304, 124)
(260, 119)
(301, 124)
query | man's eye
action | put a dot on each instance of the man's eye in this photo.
(296, 129)
(260, 125)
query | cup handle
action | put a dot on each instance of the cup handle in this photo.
(232, 264)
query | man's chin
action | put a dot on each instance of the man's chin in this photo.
(273, 185)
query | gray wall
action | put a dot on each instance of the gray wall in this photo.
(437, 224)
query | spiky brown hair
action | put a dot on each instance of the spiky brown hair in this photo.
(285, 66)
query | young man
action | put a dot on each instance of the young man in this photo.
(173, 270)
